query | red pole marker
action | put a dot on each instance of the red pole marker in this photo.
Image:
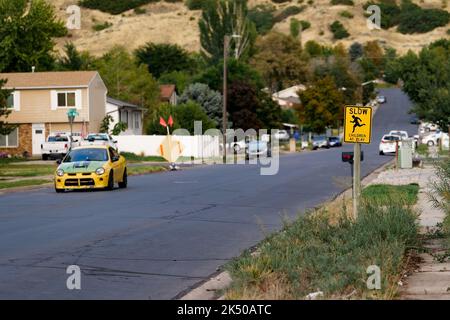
(170, 122)
(162, 122)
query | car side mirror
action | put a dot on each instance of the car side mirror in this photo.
(114, 159)
(58, 161)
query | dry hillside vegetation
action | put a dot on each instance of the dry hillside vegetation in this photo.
(173, 23)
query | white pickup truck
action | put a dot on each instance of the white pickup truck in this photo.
(99, 139)
(57, 146)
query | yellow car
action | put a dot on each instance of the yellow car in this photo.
(91, 167)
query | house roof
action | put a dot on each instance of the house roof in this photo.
(289, 92)
(57, 79)
(121, 103)
(166, 91)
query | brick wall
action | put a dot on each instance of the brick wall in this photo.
(25, 143)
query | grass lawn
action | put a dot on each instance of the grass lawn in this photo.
(383, 193)
(144, 169)
(22, 183)
(26, 170)
(131, 157)
(314, 254)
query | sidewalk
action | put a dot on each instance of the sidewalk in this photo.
(430, 278)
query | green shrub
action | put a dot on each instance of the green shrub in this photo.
(114, 6)
(346, 14)
(342, 2)
(384, 193)
(440, 193)
(263, 18)
(338, 30)
(414, 19)
(310, 2)
(195, 4)
(448, 32)
(289, 11)
(140, 11)
(101, 26)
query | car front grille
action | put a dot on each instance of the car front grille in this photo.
(79, 182)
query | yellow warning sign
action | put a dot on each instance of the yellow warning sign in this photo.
(357, 124)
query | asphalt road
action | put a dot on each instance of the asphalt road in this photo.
(167, 231)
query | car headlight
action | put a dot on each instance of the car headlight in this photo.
(100, 171)
(60, 172)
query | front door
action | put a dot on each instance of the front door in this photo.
(38, 137)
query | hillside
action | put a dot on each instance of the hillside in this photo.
(175, 23)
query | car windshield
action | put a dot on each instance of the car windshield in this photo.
(334, 139)
(88, 154)
(319, 138)
(391, 138)
(57, 139)
(98, 137)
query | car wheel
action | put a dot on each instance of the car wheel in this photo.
(381, 153)
(110, 181)
(430, 143)
(59, 190)
(124, 182)
(44, 157)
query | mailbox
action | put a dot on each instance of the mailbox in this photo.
(347, 156)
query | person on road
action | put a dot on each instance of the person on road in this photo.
(356, 121)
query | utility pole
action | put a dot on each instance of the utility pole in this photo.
(226, 43)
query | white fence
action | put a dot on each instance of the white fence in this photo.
(200, 147)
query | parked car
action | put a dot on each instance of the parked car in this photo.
(282, 135)
(320, 142)
(388, 143)
(402, 134)
(257, 148)
(91, 167)
(335, 141)
(434, 138)
(381, 99)
(57, 146)
(99, 139)
(414, 119)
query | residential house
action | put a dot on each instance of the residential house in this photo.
(168, 93)
(40, 102)
(125, 112)
(288, 97)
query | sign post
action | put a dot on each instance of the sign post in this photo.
(71, 114)
(357, 130)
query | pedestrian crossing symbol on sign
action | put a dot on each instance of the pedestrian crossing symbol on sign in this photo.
(357, 124)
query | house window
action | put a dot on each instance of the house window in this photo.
(10, 101)
(66, 99)
(10, 140)
(137, 119)
(124, 116)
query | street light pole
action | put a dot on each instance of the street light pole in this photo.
(226, 42)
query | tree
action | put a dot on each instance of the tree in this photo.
(26, 31)
(209, 100)
(251, 108)
(183, 116)
(128, 81)
(117, 129)
(279, 60)
(221, 18)
(426, 78)
(180, 79)
(237, 70)
(355, 51)
(5, 128)
(321, 105)
(164, 58)
(75, 60)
